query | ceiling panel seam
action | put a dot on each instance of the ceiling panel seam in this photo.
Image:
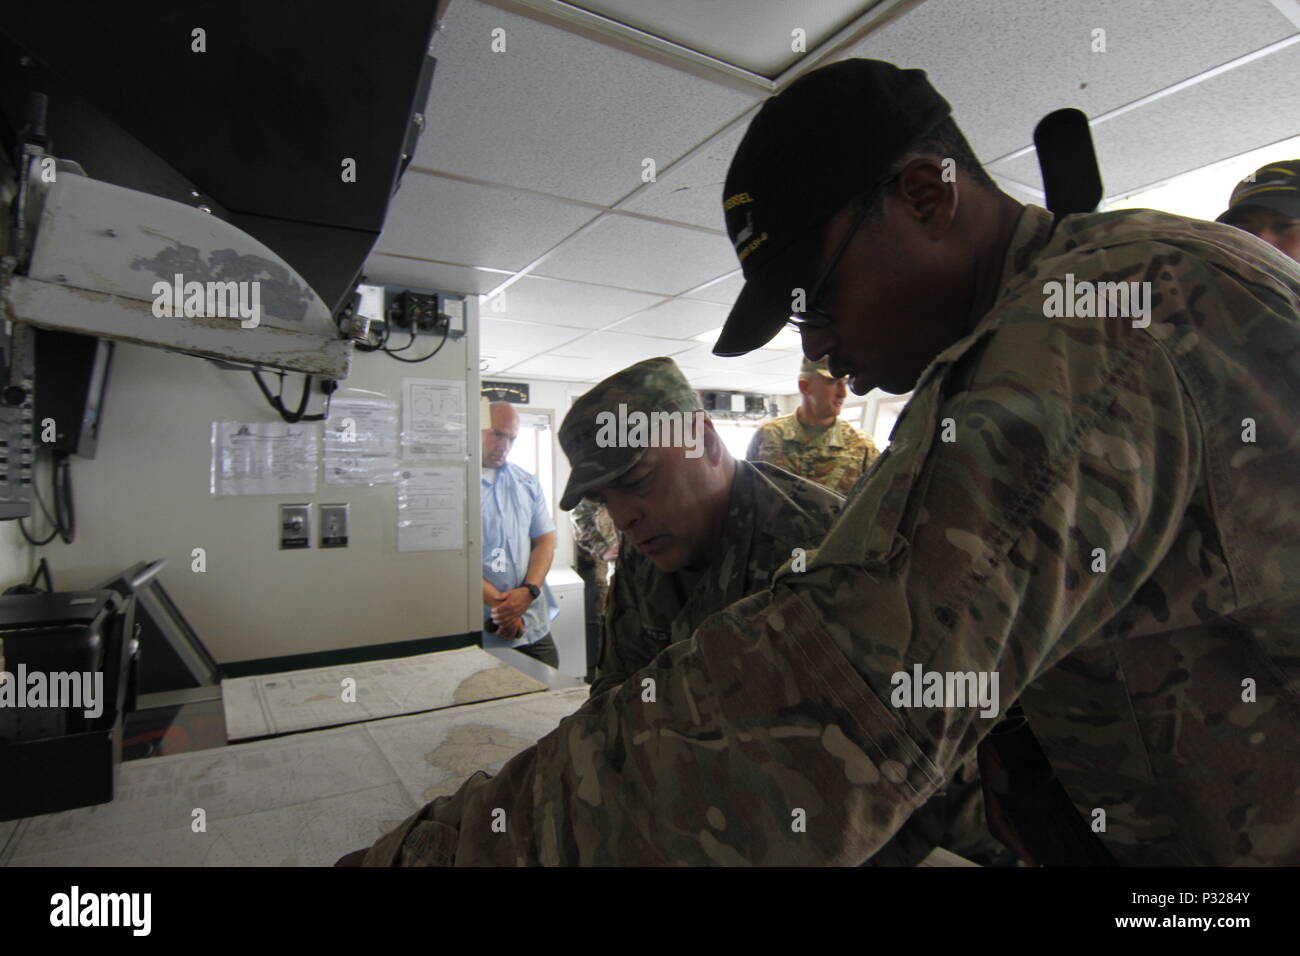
(1160, 94)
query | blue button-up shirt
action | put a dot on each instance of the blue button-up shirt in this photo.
(514, 512)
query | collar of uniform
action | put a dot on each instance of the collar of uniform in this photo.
(814, 431)
(1028, 240)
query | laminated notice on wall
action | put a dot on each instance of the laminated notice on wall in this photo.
(264, 458)
(431, 509)
(433, 418)
(360, 442)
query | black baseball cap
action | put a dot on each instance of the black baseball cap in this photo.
(811, 149)
(1275, 187)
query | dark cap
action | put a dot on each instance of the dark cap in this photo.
(1275, 187)
(655, 385)
(829, 136)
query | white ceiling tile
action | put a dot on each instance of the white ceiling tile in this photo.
(568, 369)
(1004, 64)
(730, 379)
(416, 274)
(1221, 117)
(619, 347)
(513, 336)
(437, 218)
(498, 360)
(725, 291)
(702, 357)
(545, 301)
(676, 319)
(557, 112)
(692, 190)
(638, 254)
(757, 382)
(782, 364)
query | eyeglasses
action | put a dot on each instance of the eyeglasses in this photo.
(819, 316)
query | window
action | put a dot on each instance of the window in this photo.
(735, 435)
(887, 410)
(534, 450)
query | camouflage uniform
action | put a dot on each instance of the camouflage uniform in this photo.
(1163, 688)
(833, 455)
(769, 515)
(594, 534)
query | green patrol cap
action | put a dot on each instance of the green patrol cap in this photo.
(592, 434)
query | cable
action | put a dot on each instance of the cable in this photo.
(406, 346)
(277, 401)
(446, 329)
(64, 514)
(64, 518)
(43, 570)
(32, 541)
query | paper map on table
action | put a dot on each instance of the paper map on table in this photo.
(301, 700)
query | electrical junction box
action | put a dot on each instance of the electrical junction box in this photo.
(429, 313)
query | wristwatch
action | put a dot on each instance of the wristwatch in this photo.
(533, 589)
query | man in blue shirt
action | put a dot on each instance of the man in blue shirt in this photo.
(518, 545)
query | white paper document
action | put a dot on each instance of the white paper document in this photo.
(264, 458)
(433, 418)
(431, 509)
(360, 442)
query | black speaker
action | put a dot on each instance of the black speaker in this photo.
(71, 378)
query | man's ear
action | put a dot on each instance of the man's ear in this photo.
(712, 442)
(928, 190)
(803, 386)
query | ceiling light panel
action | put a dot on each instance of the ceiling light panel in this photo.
(763, 37)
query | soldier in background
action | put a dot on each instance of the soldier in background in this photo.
(1267, 204)
(595, 541)
(813, 442)
(701, 531)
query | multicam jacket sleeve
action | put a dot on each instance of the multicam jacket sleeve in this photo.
(1068, 504)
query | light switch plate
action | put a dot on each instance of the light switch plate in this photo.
(295, 526)
(334, 526)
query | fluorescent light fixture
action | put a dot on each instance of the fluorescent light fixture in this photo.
(1203, 193)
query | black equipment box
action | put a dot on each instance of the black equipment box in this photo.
(56, 758)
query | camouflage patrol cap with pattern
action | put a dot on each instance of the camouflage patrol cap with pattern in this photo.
(655, 385)
(821, 367)
(1275, 187)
